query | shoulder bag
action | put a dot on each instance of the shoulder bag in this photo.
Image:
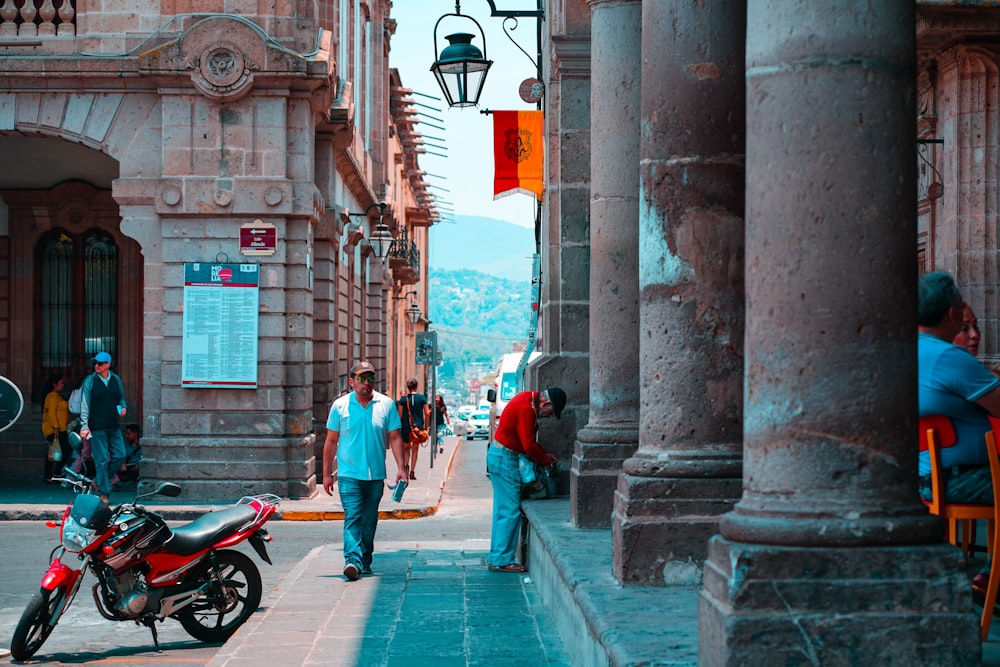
(417, 435)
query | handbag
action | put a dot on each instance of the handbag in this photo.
(544, 485)
(417, 435)
(526, 469)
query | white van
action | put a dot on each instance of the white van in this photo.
(505, 385)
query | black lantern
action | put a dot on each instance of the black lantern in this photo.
(381, 240)
(413, 312)
(461, 67)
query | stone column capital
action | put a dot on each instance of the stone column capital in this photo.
(597, 4)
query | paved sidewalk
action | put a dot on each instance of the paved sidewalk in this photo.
(436, 605)
(35, 500)
(429, 602)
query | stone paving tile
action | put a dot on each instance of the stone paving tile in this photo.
(421, 609)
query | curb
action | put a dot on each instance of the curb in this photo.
(322, 515)
(49, 512)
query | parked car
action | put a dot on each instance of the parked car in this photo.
(478, 425)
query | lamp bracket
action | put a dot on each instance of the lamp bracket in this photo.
(538, 13)
(346, 214)
(405, 296)
(936, 189)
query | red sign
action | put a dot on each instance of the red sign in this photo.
(261, 239)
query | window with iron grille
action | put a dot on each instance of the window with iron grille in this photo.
(77, 300)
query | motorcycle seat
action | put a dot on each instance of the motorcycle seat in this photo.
(206, 530)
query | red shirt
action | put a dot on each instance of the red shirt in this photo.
(518, 427)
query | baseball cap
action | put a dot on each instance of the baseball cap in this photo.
(558, 398)
(361, 367)
(102, 358)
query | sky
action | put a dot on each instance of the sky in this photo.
(466, 174)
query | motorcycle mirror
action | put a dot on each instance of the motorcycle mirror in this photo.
(76, 442)
(168, 489)
(165, 489)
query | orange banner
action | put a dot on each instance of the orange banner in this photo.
(518, 153)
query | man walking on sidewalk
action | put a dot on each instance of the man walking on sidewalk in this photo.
(360, 425)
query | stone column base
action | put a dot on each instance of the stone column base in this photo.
(661, 526)
(222, 468)
(594, 475)
(891, 606)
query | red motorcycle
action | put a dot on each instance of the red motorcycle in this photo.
(147, 571)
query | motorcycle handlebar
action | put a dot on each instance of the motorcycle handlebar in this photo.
(77, 480)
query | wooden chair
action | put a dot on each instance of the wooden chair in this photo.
(937, 433)
(993, 585)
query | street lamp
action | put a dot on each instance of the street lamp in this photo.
(381, 240)
(461, 67)
(413, 312)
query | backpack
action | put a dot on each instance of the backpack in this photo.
(75, 397)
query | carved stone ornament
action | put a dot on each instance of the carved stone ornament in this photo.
(222, 54)
(222, 72)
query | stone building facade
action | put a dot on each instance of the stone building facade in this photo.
(734, 192)
(144, 138)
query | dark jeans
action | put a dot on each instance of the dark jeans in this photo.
(972, 485)
(360, 499)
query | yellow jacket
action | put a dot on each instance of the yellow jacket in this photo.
(55, 414)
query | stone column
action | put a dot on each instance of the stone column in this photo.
(829, 556)
(564, 238)
(612, 434)
(686, 472)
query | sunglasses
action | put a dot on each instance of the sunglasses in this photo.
(364, 377)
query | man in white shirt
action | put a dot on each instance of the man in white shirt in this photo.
(360, 425)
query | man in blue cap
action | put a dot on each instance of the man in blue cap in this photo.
(102, 406)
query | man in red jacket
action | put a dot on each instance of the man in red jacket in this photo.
(516, 436)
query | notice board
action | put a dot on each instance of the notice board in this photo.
(221, 315)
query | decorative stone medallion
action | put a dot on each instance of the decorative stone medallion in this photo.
(222, 72)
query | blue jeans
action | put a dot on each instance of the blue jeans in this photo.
(360, 498)
(973, 486)
(505, 530)
(108, 451)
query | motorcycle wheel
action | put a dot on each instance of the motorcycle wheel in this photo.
(34, 627)
(228, 604)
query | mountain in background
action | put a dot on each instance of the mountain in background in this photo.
(479, 296)
(487, 245)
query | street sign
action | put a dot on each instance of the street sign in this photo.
(11, 403)
(427, 347)
(258, 238)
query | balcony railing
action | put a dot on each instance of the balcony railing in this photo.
(37, 18)
(404, 259)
